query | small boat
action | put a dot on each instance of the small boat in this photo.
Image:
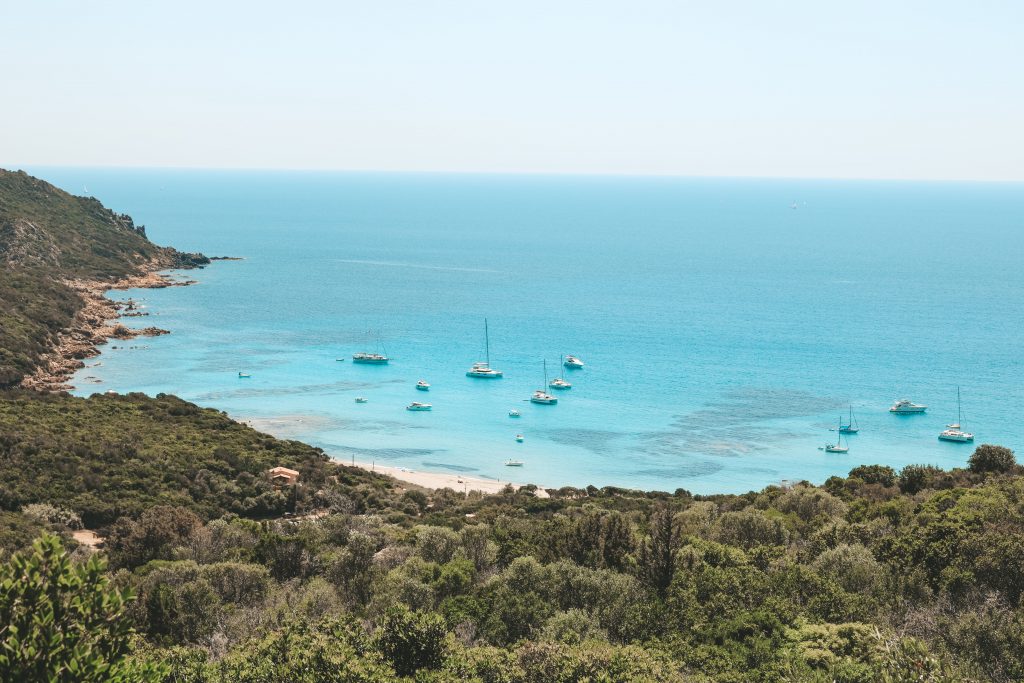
(244, 375)
(542, 397)
(559, 383)
(954, 432)
(339, 360)
(422, 386)
(905, 407)
(514, 413)
(850, 427)
(519, 438)
(837, 447)
(483, 369)
(415, 405)
(362, 399)
(513, 463)
(573, 362)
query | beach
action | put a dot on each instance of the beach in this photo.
(441, 480)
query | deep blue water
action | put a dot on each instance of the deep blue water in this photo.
(723, 331)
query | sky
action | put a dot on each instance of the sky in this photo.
(791, 88)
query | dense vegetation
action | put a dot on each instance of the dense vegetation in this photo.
(114, 456)
(47, 237)
(916, 575)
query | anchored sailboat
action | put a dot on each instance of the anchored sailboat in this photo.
(955, 432)
(378, 358)
(850, 427)
(483, 369)
(838, 447)
(541, 396)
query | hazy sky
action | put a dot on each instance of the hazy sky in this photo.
(923, 89)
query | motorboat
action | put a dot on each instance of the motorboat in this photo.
(903, 407)
(514, 413)
(370, 358)
(837, 447)
(244, 375)
(519, 438)
(482, 369)
(559, 383)
(954, 432)
(416, 405)
(573, 362)
(513, 463)
(422, 386)
(850, 427)
(362, 399)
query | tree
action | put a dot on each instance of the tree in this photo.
(158, 532)
(915, 478)
(62, 622)
(989, 458)
(874, 474)
(659, 550)
(411, 641)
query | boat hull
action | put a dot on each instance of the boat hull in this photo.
(370, 361)
(958, 438)
(836, 449)
(494, 374)
(544, 401)
(908, 411)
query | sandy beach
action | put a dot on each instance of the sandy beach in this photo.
(440, 480)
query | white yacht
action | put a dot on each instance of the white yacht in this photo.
(519, 438)
(483, 368)
(573, 362)
(559, 383)
(954, 432)
(361, 399)
(513, 463)
(542, 397)
(422, 386)
(514, 413)
(415, 405)
(904, 406)
(244, 375)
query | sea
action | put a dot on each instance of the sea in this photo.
(726, 325)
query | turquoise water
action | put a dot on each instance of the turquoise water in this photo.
(723, 331)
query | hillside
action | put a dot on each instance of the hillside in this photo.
(48, 240)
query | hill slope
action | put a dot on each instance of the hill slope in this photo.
(48, 240)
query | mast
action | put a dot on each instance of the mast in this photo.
(545, 386)
(487, 344)
(959, 418)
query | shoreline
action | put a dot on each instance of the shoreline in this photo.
(441, 480)
(96, 324)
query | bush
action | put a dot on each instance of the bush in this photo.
(411, 641)
(989, 458)
(62, 621)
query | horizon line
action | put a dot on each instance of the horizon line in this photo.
(586, 174)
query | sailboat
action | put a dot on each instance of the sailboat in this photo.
(483, 369)
(541, 396)
(954, 432)
(850, 427)
(560, 383)
(838, 447)
(377, 358)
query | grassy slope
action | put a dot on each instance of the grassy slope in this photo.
(47, 236)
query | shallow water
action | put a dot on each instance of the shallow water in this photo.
(723, 331)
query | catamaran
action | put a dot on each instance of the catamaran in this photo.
(560, 384)
(903, 406)
(837, 447)
(541, 396)
(377, 358)
(483, 368)
(850, 427)
(955, 432)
